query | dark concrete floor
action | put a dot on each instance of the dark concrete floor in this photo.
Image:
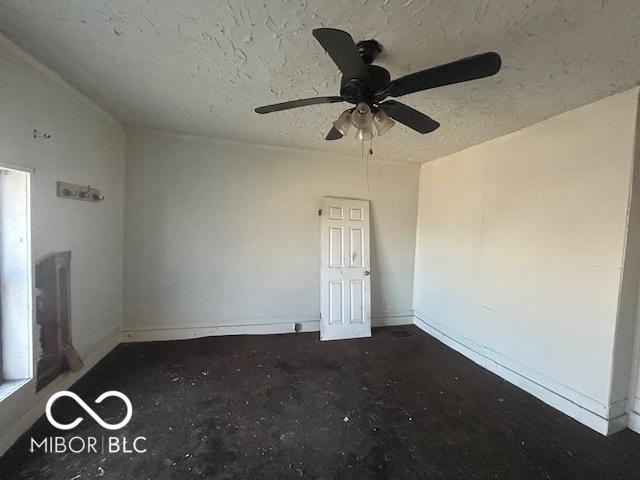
(288, 406)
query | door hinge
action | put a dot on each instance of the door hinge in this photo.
(320, 212)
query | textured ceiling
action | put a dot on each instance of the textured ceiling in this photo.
(200, 67)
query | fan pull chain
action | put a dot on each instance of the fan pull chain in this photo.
(366, 155)
(370, 153)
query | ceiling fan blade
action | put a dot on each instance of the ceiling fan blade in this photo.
(342, 50)
(304, 102)
(333, 134)
(470, 68)
(408, 116)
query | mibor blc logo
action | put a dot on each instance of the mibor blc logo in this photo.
(89, 410)
(90, 444)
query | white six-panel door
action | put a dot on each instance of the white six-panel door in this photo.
(345, 283)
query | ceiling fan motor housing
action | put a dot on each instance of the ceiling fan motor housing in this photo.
(355, 90)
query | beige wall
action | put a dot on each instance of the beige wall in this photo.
(226, 234)
(630, 299)
(86, 147)
(520, 249)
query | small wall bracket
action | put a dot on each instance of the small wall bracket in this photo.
(79, 192)
(39, 134)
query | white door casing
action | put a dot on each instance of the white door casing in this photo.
(345, 283)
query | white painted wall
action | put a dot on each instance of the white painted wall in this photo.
(87, 147)
(226, 234)
(630, 301)
(520, 248)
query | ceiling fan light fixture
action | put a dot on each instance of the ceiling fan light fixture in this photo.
(366, 85)
(382, 122)
(343, 123)
(361, 116)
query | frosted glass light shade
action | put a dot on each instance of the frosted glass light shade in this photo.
(361, 116)
(343, 123)
(364, 133)
(382, 122)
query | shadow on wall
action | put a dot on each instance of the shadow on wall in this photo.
(53, 316)
(374, 261)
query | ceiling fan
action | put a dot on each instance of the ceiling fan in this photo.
(367, 86)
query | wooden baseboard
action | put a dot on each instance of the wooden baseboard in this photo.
(634, 421)
(265, 327)
(604, 419)
(161, 334)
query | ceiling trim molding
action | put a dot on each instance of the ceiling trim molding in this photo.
(265, 146)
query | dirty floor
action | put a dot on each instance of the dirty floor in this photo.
(289, 406)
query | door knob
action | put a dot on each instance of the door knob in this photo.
(366, 272)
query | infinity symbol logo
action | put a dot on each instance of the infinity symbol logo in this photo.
(88, 409)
